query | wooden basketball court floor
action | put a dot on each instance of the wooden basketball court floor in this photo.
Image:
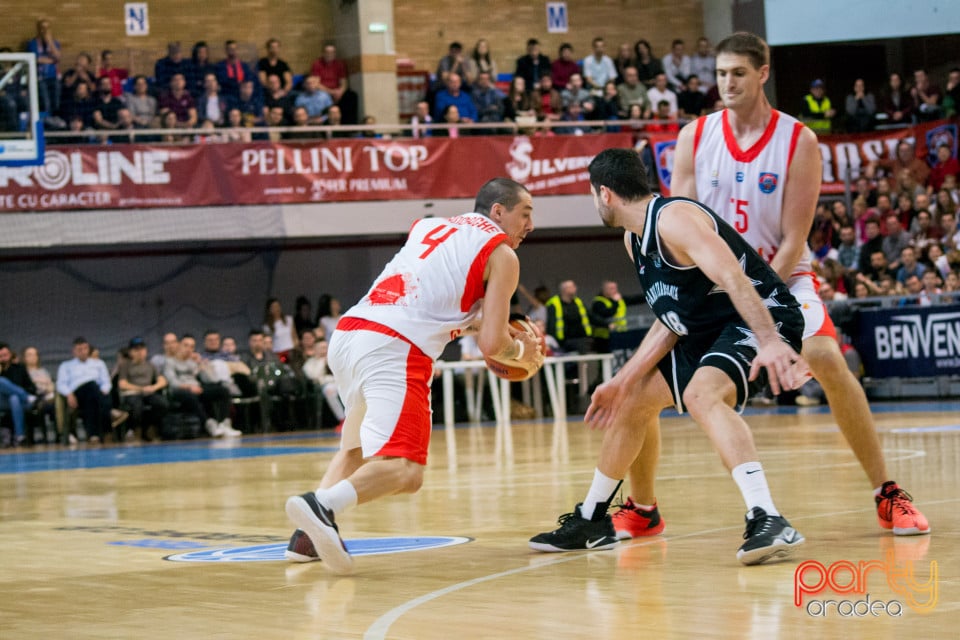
(85, 537)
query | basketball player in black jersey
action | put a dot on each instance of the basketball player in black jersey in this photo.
(724, 318)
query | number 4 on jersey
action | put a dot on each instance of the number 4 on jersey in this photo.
(434, 237)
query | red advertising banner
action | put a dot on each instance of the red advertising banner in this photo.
(841, 154)
(145, 176)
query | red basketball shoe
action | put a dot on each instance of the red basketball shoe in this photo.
(632, 521)
(300, 548)
(895, 511)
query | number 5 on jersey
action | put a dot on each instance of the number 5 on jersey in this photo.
(741, 222)
(434, 237)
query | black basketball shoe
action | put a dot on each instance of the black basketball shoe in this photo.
(577, 534)
(767, 538)
(317, 521)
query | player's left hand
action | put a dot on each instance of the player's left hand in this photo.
(786, 369)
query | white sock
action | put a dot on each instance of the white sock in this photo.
(752, 481)
(877, 491)
(601, 490)
(338, 498)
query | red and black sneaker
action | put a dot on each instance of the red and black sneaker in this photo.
(895, 511)
(300, 549)
(632, 521)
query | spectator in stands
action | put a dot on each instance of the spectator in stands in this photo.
(935, 259)
(450, 116)
(207, 132)
(47, 50)
(575, 92)
(276, 117)
(281, 327)
(896, 103)
(546, 99)
(217, 366)
(660, 92)
(479, 61)
(315, 368)
(198, 67)
(487, 99)
(946, 164)
(329, 310)
(816, 110)
(927, 97)
(518, 103)
(905, 160)
(848, 253)
(142, 105)
(314, 100)
(172, 64)
(117, 75)
(533, 66)
(896, 240)
(179, 102)
(876, 268)
(258, 353)
(333, 121)
(211, 105)
(909, 265)
(124, 131)
(250, 104)
(951, 96)
(105, 113)
(79, 73)
(632, 91)
(301, 118)
(273, 65)
(43, 381)
(861, 108)
(85, 383)
(951, 235)
(607, 106)
(703, 64)
(334, 80)
(563, 67)
(276, 96)
(141, 390)
(210, 403)
(904, 210)
(623, 59)
(676, 65)
(169, 122)
(691, 101)
(864, 188)
(17, 393)
(648, 66)
(236, 128)
(666, 122)
(926, 233)
(598, 68)
(80, 106)
(451, 63)
(171, 345)
(930, 292)
(421, 116)
(232, 71)
(303, 315)
(452, 93)
(951, 283)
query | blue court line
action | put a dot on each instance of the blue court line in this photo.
(89, 458)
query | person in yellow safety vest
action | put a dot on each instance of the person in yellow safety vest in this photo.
(608, 314)
(817, 112)
(568, 321)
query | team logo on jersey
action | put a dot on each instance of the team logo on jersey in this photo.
(768, 182)
(739, 176)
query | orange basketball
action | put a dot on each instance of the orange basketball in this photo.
(511, 369)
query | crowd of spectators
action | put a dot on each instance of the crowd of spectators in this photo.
(188, 388)
(900, 238)
(466, 87)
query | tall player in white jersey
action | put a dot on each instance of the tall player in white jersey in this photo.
(450, 275)
(759, 169)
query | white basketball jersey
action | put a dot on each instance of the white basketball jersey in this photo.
(745, 186)
(431, 291)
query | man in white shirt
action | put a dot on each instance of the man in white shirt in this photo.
(676, 65)
(85, 383)
(660, 91)
(703, 64)
(598, 68)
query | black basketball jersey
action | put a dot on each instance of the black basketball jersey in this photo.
(685, 299)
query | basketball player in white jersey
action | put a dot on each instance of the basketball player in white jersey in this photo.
(759, 169)
(450, 274)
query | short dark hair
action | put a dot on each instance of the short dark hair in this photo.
(744, 43)
(4, 345)
(80, 340)
(210, 332)
(676, 42)
(255, 332)
(502, 191)
(565, 45)
(532, 41)
(622, 172)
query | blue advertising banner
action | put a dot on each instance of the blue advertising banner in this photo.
(909, 341)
